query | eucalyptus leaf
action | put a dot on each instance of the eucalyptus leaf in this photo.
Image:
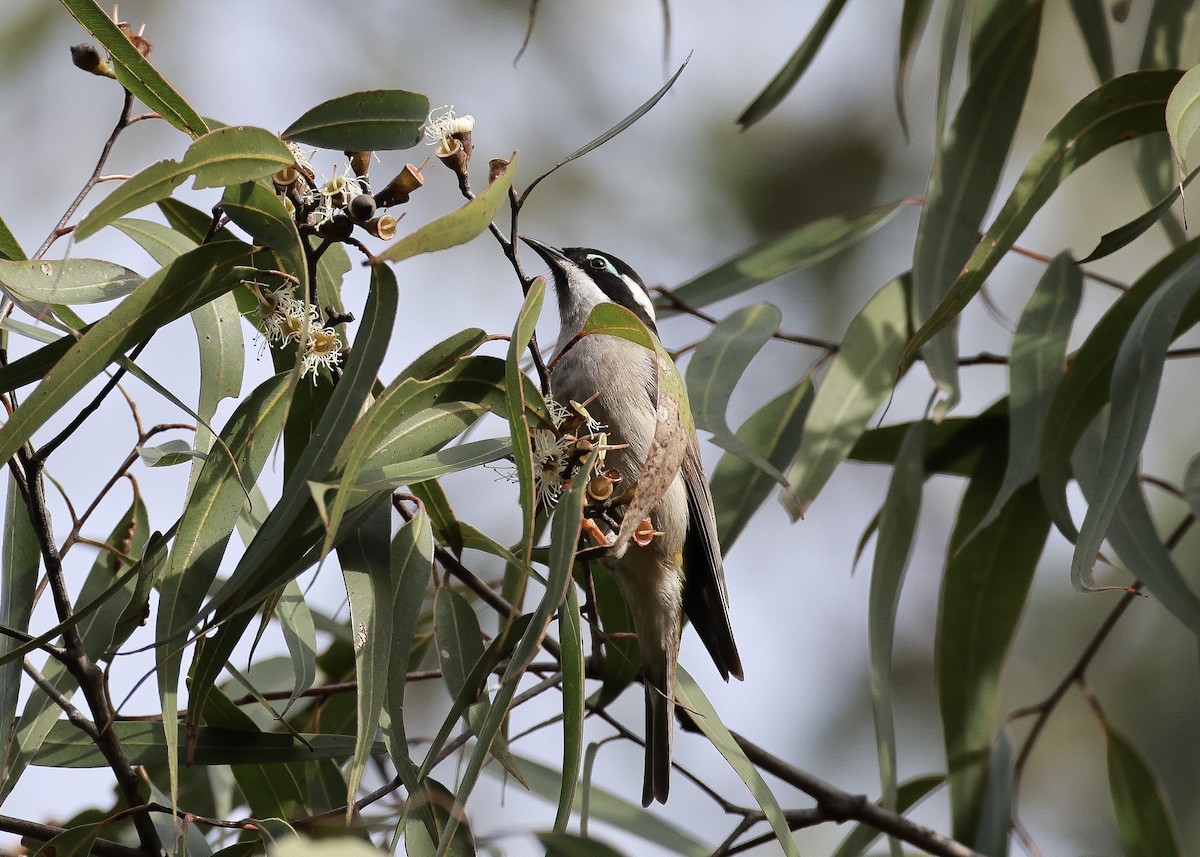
(40, 283)
(372, 120)
(134, 71)
(860, 378)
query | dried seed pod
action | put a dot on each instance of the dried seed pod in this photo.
(383, 226)
(599, 489)
(399, 188)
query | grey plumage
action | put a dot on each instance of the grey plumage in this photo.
(679, 572)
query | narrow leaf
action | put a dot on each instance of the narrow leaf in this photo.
(20, 561)
(1092, 19)
(1111, 242)
(908, 795)
(1136, 376)
(738, 487)
(235, 154)
(193, 279)
(1183, 114)
(1035, 369)
(1143, 816)
(860, 378)
(718, 365)
(692, 700)
(983, 593)
(795, 67)
(134, 71)
(897, 532)
(800, 248)
(9, 248)
(1122, 109)
(966, 170)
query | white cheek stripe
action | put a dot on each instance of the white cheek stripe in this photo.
(639, 295)
(584, 287)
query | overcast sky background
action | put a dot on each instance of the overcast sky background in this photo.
(676, 194)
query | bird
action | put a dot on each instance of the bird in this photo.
(680, 571)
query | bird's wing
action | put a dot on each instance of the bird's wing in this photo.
(705, 599)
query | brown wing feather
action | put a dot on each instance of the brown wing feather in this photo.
(705, 599)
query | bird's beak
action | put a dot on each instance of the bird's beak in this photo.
(551, 255)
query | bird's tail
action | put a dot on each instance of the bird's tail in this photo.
(659, 676)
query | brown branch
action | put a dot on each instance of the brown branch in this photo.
(60, 228)
(46, 832)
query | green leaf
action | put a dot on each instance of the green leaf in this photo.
(893, 550)
(597, 142)
(515, 390)
(412, 471)
(738, 487)
(692, 700)
(800, 248)
(457, 227)
(1183, 114)
(429, 813)
(366, 570)
(373, 120)
(966, 170)
(570, 638)
(1143, 815)
(561, 844)
(72, 842)
(1122, 109)
(9, 248)
(1092, 19)
(235, 154)
(715, 369)
(983, 593)
(134, 71)
(258, 209)
(1191, 486)
(795, 67)
(411, 564)
(111, 591)
(36, 285)
(255, 574)
(1035, 369)
(1136, 376)
(145, 744)
(162, 243)
(1111, 242)
(300, 636)
(20, 561)
(605, 806)
(168, 454)
(226, 156)
(996, 816)
(214, 502)
(908, 795)
(912, 24)
(192, 280)
(1084, 390)
(565, 528)
(610, 319)
(860, 379)
(1134, 537)
(458, 636)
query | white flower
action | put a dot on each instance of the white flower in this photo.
(442, 124)
(334, 194)
(549, 460)
(324, 348)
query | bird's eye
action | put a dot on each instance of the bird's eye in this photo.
(598, 262)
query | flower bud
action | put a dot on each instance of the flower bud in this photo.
(336, 229)
(88, 58)
(360, 162)
(362, 208)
